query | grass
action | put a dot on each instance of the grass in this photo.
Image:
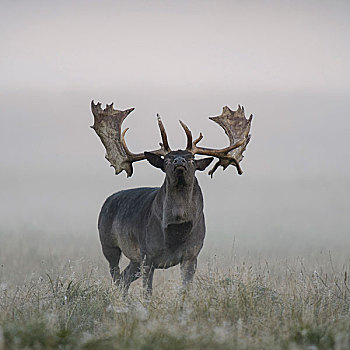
(72, 304)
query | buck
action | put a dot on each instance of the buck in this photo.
(156, 228)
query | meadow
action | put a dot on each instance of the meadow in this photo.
(50, 299)
(273, 273)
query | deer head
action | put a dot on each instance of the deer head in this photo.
(108, 122)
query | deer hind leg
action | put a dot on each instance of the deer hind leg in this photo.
(112, 254)
(130, 274)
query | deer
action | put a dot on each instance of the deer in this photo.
(160, 227)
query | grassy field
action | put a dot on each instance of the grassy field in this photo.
(62, 297)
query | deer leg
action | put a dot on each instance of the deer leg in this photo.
(188, 268)
(130, 274)
(148, 271)
(112, 254)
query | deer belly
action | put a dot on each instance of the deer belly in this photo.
(167, 259)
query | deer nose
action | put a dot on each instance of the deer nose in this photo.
(180, 161)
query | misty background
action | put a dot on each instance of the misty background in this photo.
(285, 62)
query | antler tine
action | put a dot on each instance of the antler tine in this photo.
(198, 139)
(132, 156)
(165, 143)
(189, 136)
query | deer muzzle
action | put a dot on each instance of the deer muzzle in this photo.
(180, 165)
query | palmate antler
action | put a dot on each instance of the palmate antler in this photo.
(107, 124)
(236, 127)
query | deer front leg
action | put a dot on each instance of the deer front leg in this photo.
(188, 268)
(148, 271)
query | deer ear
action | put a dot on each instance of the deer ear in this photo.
(201, 164)
(154, 159)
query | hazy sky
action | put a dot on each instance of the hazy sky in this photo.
(287, 62)
(251, 45)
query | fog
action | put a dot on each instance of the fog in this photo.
(286, 62)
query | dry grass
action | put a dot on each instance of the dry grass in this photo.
(54, 302)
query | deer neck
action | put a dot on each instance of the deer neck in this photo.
(178, 203)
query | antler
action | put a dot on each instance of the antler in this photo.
(236, 127)
(107, 125)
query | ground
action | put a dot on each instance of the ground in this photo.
(63, 298)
